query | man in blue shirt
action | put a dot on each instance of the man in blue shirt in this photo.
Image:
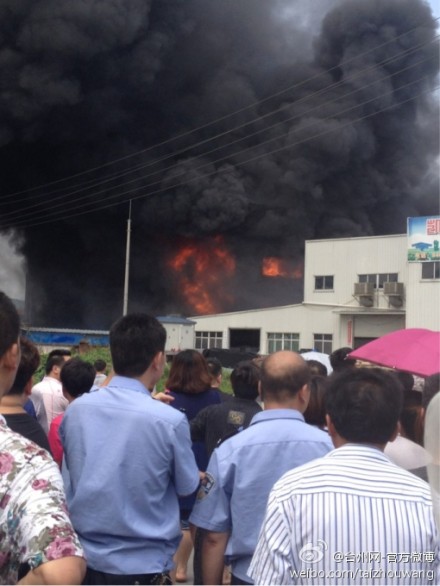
(231, 503)
(126, 459)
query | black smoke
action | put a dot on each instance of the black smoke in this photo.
(350, 149)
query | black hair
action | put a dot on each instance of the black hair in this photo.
(77, 377)
(410, 417)
(135, 339)
(339, 360)
(9, 324)
(406, 380)
(317, 368)
(430, 389)
(214, 366)
(59, 352)
(315, 412)
(55, 360)
(364, 404)
(100, 365)
(244, 380)
(29, 362)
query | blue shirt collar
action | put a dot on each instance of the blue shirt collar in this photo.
(271, 414)
(126, 382)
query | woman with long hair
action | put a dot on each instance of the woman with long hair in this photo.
(189, 382)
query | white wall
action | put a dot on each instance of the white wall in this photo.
(423, 300)
(293, 319)
(179, 337)
(347, 258)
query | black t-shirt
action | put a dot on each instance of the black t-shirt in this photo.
(217, 422)
(28, 427)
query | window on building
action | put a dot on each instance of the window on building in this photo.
(378, 279)
(280, 341)
(209, 340)
(323, 343)
(386, 278)
(431, 270)
(323, 282)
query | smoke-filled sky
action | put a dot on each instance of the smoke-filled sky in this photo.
(326, 125)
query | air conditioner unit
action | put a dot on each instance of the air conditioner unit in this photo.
(363, 289)
(393, 288)
(394, 292)
(365, 293)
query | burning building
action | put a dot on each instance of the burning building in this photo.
(355, 290)
(237, 129)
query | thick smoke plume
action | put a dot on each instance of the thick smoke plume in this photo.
(348, 150)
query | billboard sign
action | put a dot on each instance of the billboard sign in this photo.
(424, 239)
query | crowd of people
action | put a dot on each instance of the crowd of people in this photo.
(301, 476)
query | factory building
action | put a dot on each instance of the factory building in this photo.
(355, 290)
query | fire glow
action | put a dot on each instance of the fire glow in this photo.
(203, 269)
(277, 267)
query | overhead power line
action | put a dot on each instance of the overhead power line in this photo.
(237, 164)
(91, 184)
(26, 213)
(222, 118)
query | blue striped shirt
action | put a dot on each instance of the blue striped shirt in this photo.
(352, 517)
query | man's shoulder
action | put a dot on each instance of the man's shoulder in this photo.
(216, 409)
(46, 383)
(21, 419)
(276, 432)
(37, 387)
(316, 434)
(165, 412)
(19, 449)
(238, 442)
(139, 404)
(293, 427)
(354, 473)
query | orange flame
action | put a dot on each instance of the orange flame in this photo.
(277, 267)
(202, 269)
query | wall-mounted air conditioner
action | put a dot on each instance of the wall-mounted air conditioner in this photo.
(365, 293)
(363, 289)
(393, 288)
(394, 292)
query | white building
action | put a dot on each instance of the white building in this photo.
(180, 333)
(355, 290)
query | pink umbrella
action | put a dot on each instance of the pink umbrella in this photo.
(414, 350)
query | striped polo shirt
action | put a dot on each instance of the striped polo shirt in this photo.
(351, 517)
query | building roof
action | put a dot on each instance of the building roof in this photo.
(65, 330)
(348, 238)
(66, 337)
(175, 319)
(243, 311)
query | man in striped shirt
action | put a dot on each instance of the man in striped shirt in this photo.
(351, 517)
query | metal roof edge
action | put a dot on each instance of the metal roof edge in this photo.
(248, 311)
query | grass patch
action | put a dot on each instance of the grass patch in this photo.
(104, 354)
